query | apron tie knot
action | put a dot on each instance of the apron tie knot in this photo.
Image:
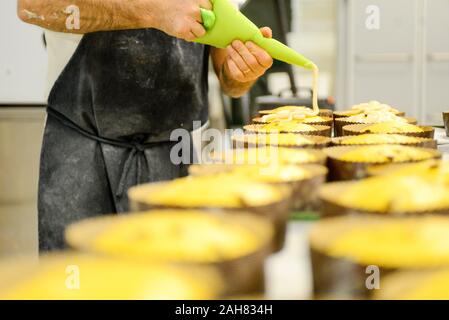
(137, 150)
(139, 147)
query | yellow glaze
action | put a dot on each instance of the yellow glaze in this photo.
(286, 126)
(373, 106)
(424, 192)
(379, 139)
(268, 155)
(287, 139)
(375, 117)
(416, 285)
(437, 167)
(293, 117)
(101, 278)
(221, 190)
(392, 127)
(289, 109)
(178, 236)
(386, 154)
(397, 243)
(271, 174)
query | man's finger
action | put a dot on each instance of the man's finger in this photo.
(238, 60)
(247, 57)
(191, 37)
(263, 58)
(206, 4)
(234, 70)
(197, 15)
(198, 30)
(267, 32)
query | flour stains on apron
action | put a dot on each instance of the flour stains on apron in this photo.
(111, 113)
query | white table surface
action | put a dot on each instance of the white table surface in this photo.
(288, 273)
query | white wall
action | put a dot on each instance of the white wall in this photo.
(23, 60)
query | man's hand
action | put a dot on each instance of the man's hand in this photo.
(241, 64)
(180, 19)
(246, 62)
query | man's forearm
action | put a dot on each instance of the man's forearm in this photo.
(94, 15)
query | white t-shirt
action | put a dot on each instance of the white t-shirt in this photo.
(60, 49)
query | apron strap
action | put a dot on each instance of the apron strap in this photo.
(137, 149)
(126, 168)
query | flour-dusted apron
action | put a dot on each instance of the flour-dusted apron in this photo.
(110, 115)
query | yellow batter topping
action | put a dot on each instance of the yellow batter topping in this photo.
(392, 127)
(374, 106)
(179, 236)
(108, 279)
(288, 110)
(379, 139)
(416, 285)
(409, 243)
(300, 117)
(436, 167)
(316, 119)
(286, 126)
(287, 139)
(219, 191)
(375, 117)
(268, 155)
(386, 154)
(407, 193)
(315, 107)
(271, 174)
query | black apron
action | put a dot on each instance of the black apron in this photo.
(110, 115)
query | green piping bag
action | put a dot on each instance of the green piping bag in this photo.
(226, 23)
